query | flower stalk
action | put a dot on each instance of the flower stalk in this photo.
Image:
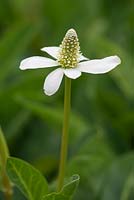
(4, 154)
(64, 141)
(8, 192)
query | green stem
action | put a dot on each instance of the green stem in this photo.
(4, 154)
(8, 192)
(64, 142)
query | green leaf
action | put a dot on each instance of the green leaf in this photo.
(28, 179)
(67, 191)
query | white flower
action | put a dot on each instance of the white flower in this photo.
(70, 61)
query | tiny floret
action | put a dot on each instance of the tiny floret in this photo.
(69, 52)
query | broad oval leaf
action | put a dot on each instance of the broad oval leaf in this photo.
(28, 179)
(67, 191)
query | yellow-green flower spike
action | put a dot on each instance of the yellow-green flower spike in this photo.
(69, 50)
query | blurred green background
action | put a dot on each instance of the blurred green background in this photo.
(102, 121)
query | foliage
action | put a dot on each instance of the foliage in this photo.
(101, 130)
(67, 191)
(32, 184)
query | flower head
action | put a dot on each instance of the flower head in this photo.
(69, 50)
(70, 61)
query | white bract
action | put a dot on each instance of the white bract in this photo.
(70, 61)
